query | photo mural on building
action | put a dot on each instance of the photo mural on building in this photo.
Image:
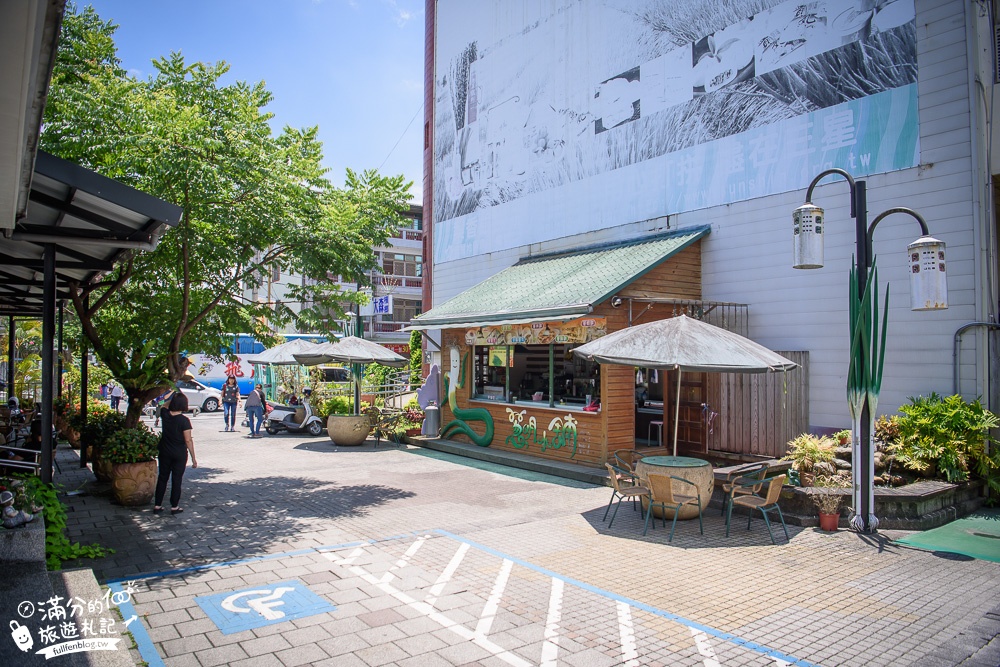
(645, 108)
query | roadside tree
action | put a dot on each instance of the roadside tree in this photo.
(253, 200)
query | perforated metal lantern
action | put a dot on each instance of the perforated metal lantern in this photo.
(807, 241)
(928, 278)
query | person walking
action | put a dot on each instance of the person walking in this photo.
(254, 406)
(116, 396)
(230, 401)
(175, 445)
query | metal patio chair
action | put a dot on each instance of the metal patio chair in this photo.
(661, 488)
(766, 504)
(733, 486)
(622, 488)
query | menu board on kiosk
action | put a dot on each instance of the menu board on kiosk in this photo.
(580, 330)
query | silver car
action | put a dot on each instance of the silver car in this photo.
(209, 398)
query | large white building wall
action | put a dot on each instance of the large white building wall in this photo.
(747, 257)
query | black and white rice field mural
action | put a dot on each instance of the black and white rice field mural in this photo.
(641, 108)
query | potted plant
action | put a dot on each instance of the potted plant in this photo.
(806, 452)
(99, 427)
(843, 437)
(132, 455)
(413, 418)
(828, 501)
(342, 425)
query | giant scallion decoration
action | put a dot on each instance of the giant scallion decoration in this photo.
(864, 382)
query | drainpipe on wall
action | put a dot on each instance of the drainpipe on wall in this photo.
(955, 351)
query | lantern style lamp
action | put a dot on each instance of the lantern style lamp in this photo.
(807, 239)
(928, 278)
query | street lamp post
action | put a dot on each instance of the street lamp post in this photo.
(928, 291)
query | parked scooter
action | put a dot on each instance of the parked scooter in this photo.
(294, 418)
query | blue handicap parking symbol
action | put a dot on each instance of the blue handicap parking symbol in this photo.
(255, 607)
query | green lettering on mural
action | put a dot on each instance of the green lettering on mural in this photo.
(563, 430)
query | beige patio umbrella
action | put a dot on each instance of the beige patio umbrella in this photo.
(683, 343)
(283, 355)
(351, 350)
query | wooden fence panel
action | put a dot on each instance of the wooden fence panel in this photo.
(757, 414)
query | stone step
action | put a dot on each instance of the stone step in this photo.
(80, 584)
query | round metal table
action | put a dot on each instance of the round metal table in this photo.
(696, 471)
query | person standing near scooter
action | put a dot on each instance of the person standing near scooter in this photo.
(254, 406)
(230, 401)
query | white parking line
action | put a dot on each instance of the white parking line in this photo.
(414, 548)
(430, 612)
(704, 648)
(446, 576)
(630, 656)
(493, 603)
(550, 649)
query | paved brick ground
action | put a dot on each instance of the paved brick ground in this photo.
(431, 560)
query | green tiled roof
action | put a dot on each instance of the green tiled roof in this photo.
(557, 285)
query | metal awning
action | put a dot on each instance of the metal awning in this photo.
(556, 286)
(91, 220)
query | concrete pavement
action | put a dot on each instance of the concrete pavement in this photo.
(292, 551)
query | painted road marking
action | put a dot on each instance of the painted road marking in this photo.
(493, 603)
(622, 609)
(641, 606)
(235, 611)
(431, 613)
(446, 576)
(550, 649)
(626, 608)
(626, 631)
(414, 548)
(704, 648)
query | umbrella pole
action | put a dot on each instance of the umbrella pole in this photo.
(677, 408)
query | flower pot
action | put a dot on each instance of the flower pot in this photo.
(413, 431)
(348, 430)
(133, 483)
(828, 522)
(72, 437)
(102, 469)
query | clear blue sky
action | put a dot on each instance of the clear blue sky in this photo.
(352, 67)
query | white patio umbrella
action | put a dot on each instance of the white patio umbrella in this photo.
(350, 350)
(684, 344)
(283, 355)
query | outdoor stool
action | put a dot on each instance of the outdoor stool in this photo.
(659, 432)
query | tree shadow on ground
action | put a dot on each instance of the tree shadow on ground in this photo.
(222, 520)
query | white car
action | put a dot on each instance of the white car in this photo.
(208, 398)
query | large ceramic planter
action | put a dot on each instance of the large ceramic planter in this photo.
(348, 430)
(102, 469)
(63, 428)
(133, 483)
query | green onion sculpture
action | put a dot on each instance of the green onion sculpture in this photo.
(864, 381)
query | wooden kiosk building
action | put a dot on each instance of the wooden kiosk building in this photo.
(513, 383)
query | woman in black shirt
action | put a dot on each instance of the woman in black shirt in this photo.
(175, 443)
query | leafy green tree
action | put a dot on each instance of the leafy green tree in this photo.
(253, 200)
(416, 359)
